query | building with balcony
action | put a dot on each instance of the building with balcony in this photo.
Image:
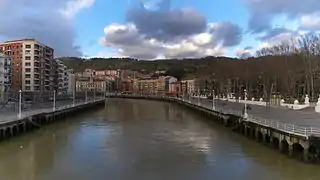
(5, 76)
(62, 79)
(91, 84)
(188, 86)
(30, 65)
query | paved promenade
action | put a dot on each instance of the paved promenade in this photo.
(11, 113)
(307, 117)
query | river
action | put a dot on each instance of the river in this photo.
(143, 140)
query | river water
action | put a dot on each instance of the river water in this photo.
(143, 140)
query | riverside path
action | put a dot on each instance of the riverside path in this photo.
(292, 120)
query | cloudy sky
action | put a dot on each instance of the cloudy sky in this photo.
(151, 29)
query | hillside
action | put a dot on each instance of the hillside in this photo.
(181, 68)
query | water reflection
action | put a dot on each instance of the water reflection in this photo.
(136, 139)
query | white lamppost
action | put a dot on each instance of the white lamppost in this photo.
(213, 105)
(189, 93)
(245, 115)
(20, 103)
(54, 100)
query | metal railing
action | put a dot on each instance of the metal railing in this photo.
(30, 113)
(276, 124)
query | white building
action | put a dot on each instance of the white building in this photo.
(190, 85)
(5, 79)
(62, 77)
(71, 81)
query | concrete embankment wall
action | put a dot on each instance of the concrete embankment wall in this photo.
(305, 149)
(19, 126)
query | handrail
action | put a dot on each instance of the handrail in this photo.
(276, 124)
(30, 113)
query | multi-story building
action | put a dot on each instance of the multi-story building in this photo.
(90, 84)
(5, 79)
(71, 81)
(62, 77)
(31, 65)
(153, 85)
(188, 86)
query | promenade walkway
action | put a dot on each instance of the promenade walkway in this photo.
(301, 122)
(45, 108)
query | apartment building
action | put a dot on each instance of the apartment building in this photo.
(62, 79)
(5, 73)
(71, 81)
(90, 84)
(188, 86)
(31, 65)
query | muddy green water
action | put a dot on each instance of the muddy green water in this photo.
(143, 140)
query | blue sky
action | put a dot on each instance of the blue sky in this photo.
(153, 29)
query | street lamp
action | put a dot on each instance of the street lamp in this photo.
(54, 100)
(245, 115)
(213, 107)
(20, 103)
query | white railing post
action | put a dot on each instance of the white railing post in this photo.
(20, 103)
(73, 96)
(54, 100)
(292, 127)
(213, 105)
(305, 131)
(245, 115)
(94, 95)
(198, 97)
(86, 96)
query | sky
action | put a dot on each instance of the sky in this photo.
(158, 29)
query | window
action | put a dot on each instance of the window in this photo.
(28, 88)
(27, 81)
(28, 70)
(28, 75)
(28, 58)
(28, 46)
(28, 64)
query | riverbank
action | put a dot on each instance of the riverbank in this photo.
(37, 119)
(298, 146)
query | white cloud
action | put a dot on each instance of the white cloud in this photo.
(310, 21)
(73, 7)
(44, 20)
(132, 44)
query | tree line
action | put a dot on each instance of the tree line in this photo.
(290, 69)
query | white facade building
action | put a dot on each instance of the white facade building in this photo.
(62, 77)
(71, 81)
(190, 85)
(5, 79)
